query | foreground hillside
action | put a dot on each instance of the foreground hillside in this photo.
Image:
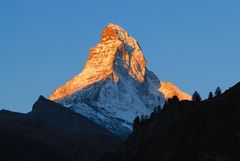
(52, 132)
(188, 131)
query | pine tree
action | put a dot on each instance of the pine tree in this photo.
(136, 122)
(210, 96)
(196, 96)
(175, 99)
(156, 109)
(218, 91)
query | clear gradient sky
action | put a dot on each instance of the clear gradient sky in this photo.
(43, 43)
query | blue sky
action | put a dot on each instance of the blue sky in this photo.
(193, 43)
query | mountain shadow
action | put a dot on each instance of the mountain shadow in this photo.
(187, 131)
(52, 132)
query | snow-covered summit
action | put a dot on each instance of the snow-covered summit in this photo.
(115, 86)
(102, 59)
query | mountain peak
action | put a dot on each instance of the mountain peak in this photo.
(115, 85)
(112, 32)
(116, 52)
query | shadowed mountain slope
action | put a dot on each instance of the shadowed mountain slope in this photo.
(188, 131)
(53, 132)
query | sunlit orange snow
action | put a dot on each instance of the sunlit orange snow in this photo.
(169, 90)
(100, 63)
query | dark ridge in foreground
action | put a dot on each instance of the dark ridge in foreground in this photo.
(51, 132)
(188, 131)
(15, 146)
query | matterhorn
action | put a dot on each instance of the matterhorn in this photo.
(115, 85)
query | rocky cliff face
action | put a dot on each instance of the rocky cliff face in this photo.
(115, 86)
(116, 50)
